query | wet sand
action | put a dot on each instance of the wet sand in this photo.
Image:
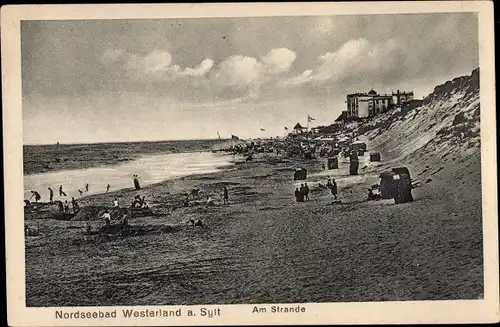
(265, 248)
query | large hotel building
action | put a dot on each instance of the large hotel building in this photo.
(369, 104)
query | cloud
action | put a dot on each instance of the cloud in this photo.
(354, 59)
(156, 65)
(242, 76)
(299, 79)
(239, 71)
(155, 61)
(200, 70)
(279, 60)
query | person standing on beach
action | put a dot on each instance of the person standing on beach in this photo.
(226, 195)
(61, 192)
(333, 188)
(302, 191)
(51, 195)
(73, 204)
(136, 182)
(306, 191)
(107, 188)
(66, 206)
(86, 187)
(297, 195)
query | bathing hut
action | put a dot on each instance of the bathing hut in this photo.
(300, 174)
(387, 189)
(333, 163)
(403, 185)
(374, 156)
(358, 146)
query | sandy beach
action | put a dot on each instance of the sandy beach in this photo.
(265, 248)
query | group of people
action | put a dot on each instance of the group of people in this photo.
(65, 207)
(139, 202)
(302, 194)
(209, 201)
(331, 184)
(38, 197)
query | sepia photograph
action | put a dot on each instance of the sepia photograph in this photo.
(273, 161)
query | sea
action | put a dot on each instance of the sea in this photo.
(75, 166)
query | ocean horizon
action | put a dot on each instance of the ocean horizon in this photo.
(127, 142)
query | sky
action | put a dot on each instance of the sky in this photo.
(135, 80)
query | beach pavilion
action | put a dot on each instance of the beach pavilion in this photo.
(298, 129)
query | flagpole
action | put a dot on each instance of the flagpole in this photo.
(307, 128)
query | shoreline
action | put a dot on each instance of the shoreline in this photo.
(46, 159)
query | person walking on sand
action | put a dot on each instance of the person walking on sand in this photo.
(306, 191)
(36, 195)
(107, 188)
(87, 187)
(61, 192)
(51, 195)
(226, 195)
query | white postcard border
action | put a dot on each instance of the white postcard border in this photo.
(458, 311)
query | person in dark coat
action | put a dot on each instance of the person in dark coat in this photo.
(136, 182)
(333, 188)
(306, 191)
(297, 195)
